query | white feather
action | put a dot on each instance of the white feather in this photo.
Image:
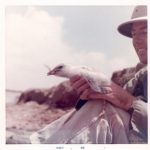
(97, 81)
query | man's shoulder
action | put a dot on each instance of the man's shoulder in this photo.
(121, 77)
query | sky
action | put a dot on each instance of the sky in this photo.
(36, 36)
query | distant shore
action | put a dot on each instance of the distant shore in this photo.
(12, 96)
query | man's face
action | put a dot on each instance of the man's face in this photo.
(139, 37)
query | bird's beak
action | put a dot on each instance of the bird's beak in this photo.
(52, 72)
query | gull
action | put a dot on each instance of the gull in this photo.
(97, 81)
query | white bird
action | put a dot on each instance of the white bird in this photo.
(97, 81)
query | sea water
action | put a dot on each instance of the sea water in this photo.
(11, 96)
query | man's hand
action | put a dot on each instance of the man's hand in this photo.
(79, 84)
(118, 97)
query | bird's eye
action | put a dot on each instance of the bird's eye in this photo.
(60, 67)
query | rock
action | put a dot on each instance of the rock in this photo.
(61, 96)
(38, 95)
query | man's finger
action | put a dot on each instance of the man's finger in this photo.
(78, 83)
(84, 95)
(82, 88)
(96, 95)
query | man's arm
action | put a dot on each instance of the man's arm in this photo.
(123, 99)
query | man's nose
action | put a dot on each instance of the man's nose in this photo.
(138, 39)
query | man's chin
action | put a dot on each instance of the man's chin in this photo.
(144, 62)
(143, 59)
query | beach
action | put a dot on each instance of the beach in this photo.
(22, 119)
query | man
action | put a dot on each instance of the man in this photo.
(137, 30)
(108, 118)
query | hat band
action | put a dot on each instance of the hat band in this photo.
(139, 18)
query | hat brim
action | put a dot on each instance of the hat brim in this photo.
(125, 28)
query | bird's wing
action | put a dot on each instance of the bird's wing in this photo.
(97, 81)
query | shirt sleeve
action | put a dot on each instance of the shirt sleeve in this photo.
(139, 117)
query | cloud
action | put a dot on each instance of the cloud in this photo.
(34, 38)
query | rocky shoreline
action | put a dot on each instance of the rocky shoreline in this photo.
(35, 109)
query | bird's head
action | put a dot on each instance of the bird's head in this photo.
(59, 70)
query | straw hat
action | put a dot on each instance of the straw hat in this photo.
(139, 14)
